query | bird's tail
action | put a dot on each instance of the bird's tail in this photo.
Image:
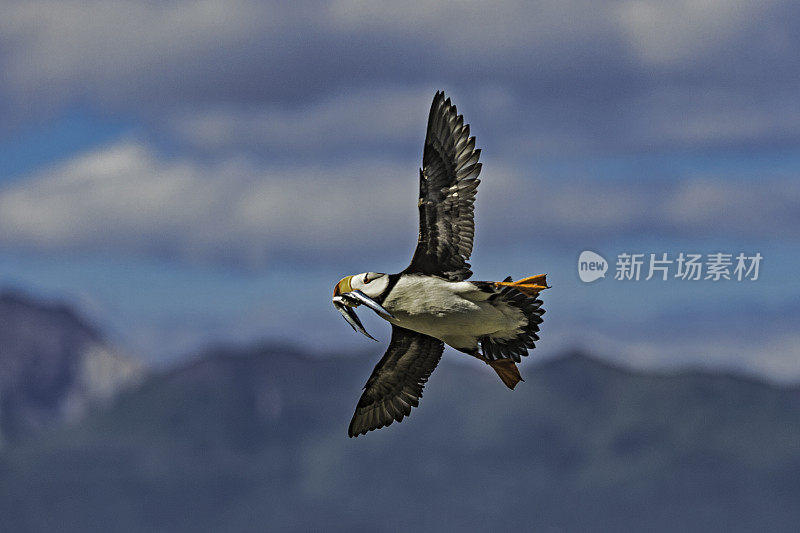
(522, 295)
(503, 352)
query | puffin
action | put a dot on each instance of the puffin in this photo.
(432, 303)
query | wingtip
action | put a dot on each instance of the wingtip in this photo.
(352, 432)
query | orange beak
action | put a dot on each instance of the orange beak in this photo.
(346, 306)
(343, 286)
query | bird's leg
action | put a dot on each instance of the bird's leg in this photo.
(530, 286)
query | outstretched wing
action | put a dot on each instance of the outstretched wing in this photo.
(395, 385)
(447, 184)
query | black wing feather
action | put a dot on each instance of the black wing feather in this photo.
(396, 383)
(447, 184)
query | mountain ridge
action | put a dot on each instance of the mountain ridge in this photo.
(253, 438)
(54, 365)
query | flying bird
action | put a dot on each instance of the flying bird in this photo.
(431, 303)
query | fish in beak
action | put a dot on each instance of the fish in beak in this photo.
(350, 315)
(345, 300)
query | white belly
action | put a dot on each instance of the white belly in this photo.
(454, 312)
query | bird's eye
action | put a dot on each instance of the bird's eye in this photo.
(366, 278)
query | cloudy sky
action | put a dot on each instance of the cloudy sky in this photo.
(191, 172)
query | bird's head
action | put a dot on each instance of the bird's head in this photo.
(370, 283)
(352, 291)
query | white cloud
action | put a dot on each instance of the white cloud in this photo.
(104, 48)
(129, 198)
(690, 116)
(776, 358)
(360, 116)
(762, 209)
(684, 31)
(611, 209)
(475, 31)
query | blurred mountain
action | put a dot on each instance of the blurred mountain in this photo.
(53, 366)
(255, 440)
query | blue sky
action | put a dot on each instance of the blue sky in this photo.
(194, 172)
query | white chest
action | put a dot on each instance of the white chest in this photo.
(442, 309)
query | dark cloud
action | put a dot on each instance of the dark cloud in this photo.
(573, 75)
